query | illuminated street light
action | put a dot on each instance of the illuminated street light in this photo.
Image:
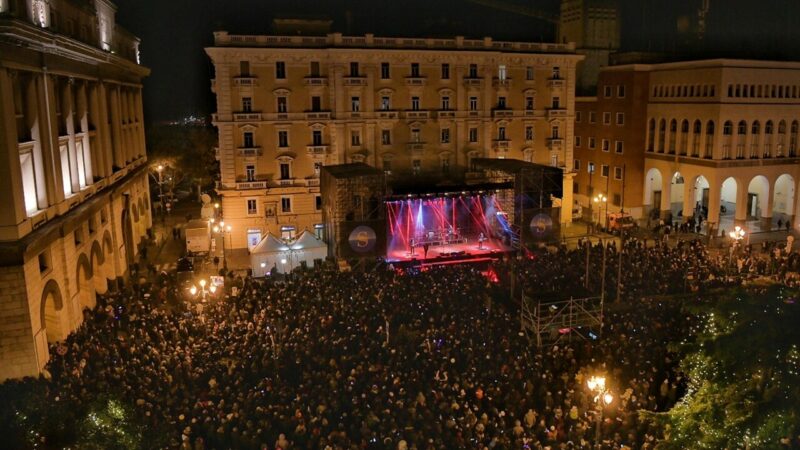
(737, 234)
(597, 384)
(602, 201)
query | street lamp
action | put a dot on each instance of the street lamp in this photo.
(601, 200)
(736, 235)
(203, 291)
(223, 229)
(603, 398)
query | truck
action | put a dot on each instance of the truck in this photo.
(620, 221)
(198, 236)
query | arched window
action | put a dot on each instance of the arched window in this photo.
(768, 130)
(793, 140)
(685, 136)
(673, 131)
(781, 137)
(697, 130)
(662, 135)
(742, 128)
(727, 128)
(741, 132)
(651, 136)
(755, 137)
(709, 152)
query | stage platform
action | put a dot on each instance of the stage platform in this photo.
(450, 253)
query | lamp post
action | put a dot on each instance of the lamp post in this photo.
(602, 398)
(736, 235)
(601, 200)
(203, 291)
(224, 230)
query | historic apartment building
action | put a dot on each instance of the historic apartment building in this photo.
(74, 197)
(718, 136)
(287, 105)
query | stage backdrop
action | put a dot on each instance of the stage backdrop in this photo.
(362, 238)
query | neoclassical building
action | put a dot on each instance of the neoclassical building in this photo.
(723, 135)
(287, 105)
(74, 196)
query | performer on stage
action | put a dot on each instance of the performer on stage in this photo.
(425, 247)
(413, 244)
(481, 238)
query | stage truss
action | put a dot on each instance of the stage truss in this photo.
(549, 323)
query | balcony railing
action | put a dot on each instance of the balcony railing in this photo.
(312, 182)
(502, 112)
(244, 185)
(555, 143)
(246, 117)
(556, 82)
(417, 114)
(315, 81)
(415, 81)
(317, 150)
(473, 82)
(556, 112)
(245, 81)
(415, 146)
(318, 115)
(286, 182)
(504, 83)
(250, 151)
(446, 114)
(384, 114)
(473, 113)
(502, 144)
(355, 81)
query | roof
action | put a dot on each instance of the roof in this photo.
(512, 165)
(307, 240)
(351, 170)
(270, 244)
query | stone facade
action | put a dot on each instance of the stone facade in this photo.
(286, 105)
(74, 192)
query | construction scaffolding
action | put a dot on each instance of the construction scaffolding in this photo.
(549, 323)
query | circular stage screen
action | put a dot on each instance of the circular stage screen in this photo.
(362, 239)
(541, 225)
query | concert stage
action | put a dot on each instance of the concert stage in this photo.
(452, 227)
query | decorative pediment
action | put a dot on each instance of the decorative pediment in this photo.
(529, 92)
(281, 92)
(445, 154)
(446, 92)
(387, 156)
(248, 127)
(386, 92)
(286, 157)
(416, 124)
(317, 126)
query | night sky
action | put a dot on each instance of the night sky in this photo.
(174, 32)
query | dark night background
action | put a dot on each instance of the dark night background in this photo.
(174, 32)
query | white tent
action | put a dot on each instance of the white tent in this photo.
(271, 253)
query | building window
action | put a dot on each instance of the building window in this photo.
(77, 236)
(415, 70)
(620, 118)
(316, 137)
(501, 103)
(386, 103)
(416, 166)
(578, 116)
(283, 138)
(287, 233)
(577, 165)
(502, 72)
(556, 73)
(250, 172)
(473, 71)
(316, 103)
(445, 71)
(445, 164)
(355, 138)
(386, 137)
(282, 105)
(592, 143)
(415, 135)
(353, 69)
(247, 104)
(529, 73)
(445, 103)
(529, 106)
(592, 117)
(501, 133)
(556, 103)
(318, 203)
(621, 91)
(577, 141)
(473, 103)
(554, 132)
(252, 207)
(317, 168)
(617, 173)
(387, 166)
(606, 118)
(445, 135)
(385, 71)
(606, 145)
(618, 147)
(529, 133)
(44, 261)
(355, 104)
(244, 68)
(248, 139)
(604, 170)
(286, 204)
(473, 135)
(554, 159)
(617, 199)
(314, 69)
(280, 70)
(607, 91)
(415, 103)
(286, 172)
(590, 167)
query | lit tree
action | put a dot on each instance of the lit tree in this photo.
(743, 366)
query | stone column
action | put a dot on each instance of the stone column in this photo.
(688, 199)
(740, 215)
(666, 194)
(11, 195)
(766, 211)
(48, 139)
(117, 144)
(714, 199)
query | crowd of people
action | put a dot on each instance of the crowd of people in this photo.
(389, 359)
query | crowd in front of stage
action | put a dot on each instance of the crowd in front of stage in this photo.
(382, 360)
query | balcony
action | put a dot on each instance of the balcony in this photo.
(417, 114)
(318, 115)
(415, 81)
(473, 113)
(528, 113)
(415, 146)
(473, 82)
(355, 81)
(502, 144)
(246, 117)
(317, 150)
(354, 115)
(385, 114)
(556, 82)
(250, 151)
(245, 81)
(286, 182)
(446, 114)
(315, 81)
(505, 83)
(502, 112)
(312, 182)
(245, 185)
(555, 143)
(554, 113)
